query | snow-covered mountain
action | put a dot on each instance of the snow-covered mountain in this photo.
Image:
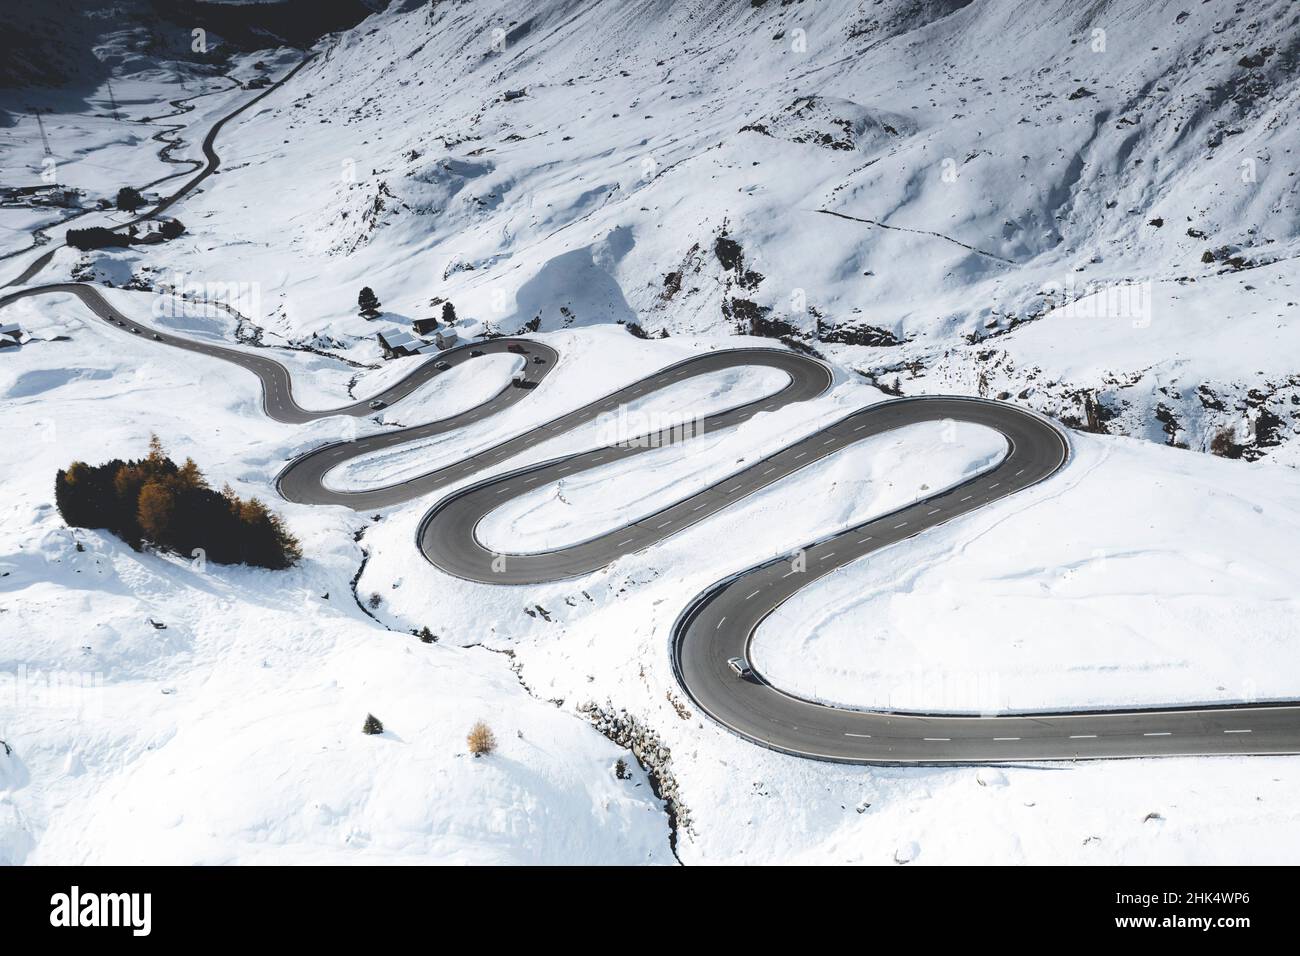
(854, 174)
(1086, 208)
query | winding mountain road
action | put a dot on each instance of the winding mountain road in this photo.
(720, 623)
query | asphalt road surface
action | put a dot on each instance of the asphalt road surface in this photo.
(720, 624)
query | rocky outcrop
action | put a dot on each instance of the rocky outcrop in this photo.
(627, 730)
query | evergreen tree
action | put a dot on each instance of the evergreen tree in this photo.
(128, 199)
(448, 313)
(368, 303)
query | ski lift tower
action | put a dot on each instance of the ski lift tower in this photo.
(45, 140)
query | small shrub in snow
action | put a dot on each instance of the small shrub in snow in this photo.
(481, 740)
(375, 600)
(426, 635)
(620, 769)
(372, 726)
(1224, 444)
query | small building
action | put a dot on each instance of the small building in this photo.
(46, 194)
(425, 326)
(397, 344)
(10, 335)
(445, 339)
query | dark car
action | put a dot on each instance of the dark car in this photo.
(476, 352)
(538, 360)
(157, 337)
(516, 348)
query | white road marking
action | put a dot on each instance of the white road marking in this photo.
(1083, 736)
(769, 471)
(968, 498)
(800, 455)
(935, 511)
(1236, 731)
(902, 525)
(751, 594)
(937, 740)
(1159, 733)
(719, 627)
(858, 735)
(1006, 738)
